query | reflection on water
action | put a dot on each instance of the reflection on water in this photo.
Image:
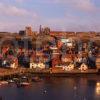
(98, 88)
(67, 88)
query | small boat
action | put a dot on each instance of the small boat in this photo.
(3, 82)
(25, 84)
(22, 84)
(24, 77)
(15, 80)
(11, 81)
(23, 81)
(36, 79)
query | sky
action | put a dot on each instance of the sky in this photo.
(59, 15)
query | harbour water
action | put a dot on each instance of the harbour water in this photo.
(55, 88)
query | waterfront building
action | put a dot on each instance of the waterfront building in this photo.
(52, 48)
(22, 33)
(98, 61)
(55, 56)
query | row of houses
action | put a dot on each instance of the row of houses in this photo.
(52, 48)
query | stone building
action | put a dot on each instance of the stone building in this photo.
(28, 31)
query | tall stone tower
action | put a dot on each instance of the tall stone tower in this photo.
(28, 31)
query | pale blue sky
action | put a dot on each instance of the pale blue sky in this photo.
(63, 15)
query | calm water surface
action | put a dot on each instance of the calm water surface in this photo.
(67, 88)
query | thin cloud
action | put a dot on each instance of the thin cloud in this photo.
(10, 10)
(84, 5)
(22, 1)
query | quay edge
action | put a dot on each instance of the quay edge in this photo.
(52, 74)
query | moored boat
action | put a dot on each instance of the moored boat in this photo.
(3, 83)
(11, 81)
(36, 79)
(24, 83)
